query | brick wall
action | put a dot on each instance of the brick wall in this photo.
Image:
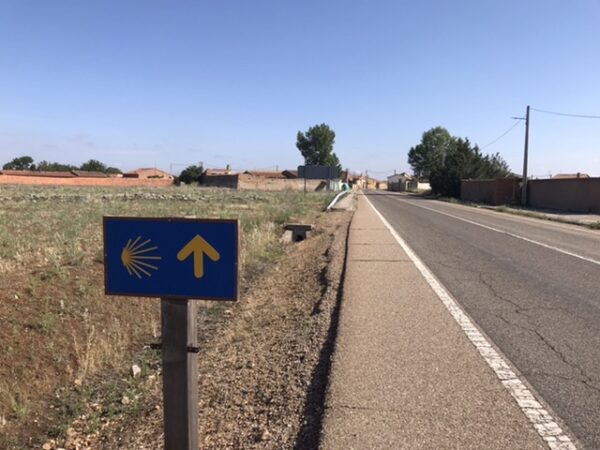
(250, 183)
(221, 181)
(575, 195)
(501, 191)
(50, 181)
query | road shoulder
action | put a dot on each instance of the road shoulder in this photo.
(404, 375)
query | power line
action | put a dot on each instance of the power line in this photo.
(581, 116)
(501, 136)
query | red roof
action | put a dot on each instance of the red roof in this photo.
(211, 172)
(148, 169)
(88, 174)
(265, 174)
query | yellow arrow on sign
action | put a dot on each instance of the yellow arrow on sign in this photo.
(198, 246)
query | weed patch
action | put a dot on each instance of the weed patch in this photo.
(66, 347)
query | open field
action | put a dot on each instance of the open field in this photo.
(67, 348)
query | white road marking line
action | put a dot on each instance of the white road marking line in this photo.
(540, 418)
(541, 244)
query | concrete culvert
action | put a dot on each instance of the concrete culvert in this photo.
(299, 231)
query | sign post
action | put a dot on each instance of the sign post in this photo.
(176, 260)
(180, 374)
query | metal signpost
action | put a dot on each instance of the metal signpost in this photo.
(176, 260)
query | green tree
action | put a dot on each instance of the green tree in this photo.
(112, 170)
(21, 163)
(461, 160)
(93, 165)
(430, 153)
(316, 146)
(45, 166)
(446, 160)
(191, 174)
(494, 166)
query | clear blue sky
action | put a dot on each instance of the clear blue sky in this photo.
(144, 83)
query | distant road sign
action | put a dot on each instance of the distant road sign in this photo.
(171, 257)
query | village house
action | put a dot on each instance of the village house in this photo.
(415, 185)
(399, 182)
(148, 173)
(403, 182)
(218, 172)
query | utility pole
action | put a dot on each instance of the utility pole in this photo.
(524, 184)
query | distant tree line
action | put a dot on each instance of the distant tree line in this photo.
(445, 160)
(26, 163)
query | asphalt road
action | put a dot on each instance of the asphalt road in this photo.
(533, 286)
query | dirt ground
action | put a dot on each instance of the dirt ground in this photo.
(264, 362)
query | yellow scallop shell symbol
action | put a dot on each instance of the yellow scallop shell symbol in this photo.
(135, 257)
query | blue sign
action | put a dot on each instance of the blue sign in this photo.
(171, 257)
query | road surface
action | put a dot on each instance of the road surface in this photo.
(533, 286)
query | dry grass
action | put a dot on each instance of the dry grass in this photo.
(61, 336)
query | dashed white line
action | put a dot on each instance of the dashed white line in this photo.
(508, 233)
(540, 418)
